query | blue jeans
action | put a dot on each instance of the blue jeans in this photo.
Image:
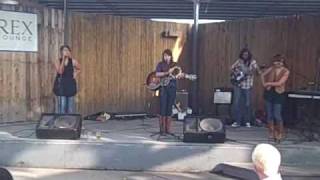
(242, 104)
(273, 112)
(65, 105)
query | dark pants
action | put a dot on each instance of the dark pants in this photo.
(167, 99)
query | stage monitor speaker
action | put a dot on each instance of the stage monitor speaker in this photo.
(207, 130)
(59, 126)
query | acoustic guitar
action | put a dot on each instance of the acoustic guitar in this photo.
(154, 83)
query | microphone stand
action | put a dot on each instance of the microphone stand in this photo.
(60, 110)
(317, 75)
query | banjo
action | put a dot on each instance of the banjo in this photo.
(154, 83)
(237, 76)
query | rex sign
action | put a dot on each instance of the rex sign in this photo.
(18, 31)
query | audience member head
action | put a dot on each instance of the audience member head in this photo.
(266, 159)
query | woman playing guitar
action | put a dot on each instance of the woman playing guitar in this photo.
(167, 93)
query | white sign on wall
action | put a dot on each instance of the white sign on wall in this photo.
(18, 31)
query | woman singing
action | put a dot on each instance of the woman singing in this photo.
(274, 80)
(65, 87)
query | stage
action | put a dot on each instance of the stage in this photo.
(128, 145)
(142, 131)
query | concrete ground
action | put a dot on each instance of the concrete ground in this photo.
(67, 174)
(64, 174)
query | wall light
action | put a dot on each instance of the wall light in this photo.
(170, 34)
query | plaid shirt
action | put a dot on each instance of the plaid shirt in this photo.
(248, 82)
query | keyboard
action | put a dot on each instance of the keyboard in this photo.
(304, 94)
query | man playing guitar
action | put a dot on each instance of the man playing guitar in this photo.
(245, 67)
(168, 92)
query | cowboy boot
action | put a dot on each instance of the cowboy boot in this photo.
(168, 125)
(162, 125)
(281, 131)
(271, 130)
(279, 135)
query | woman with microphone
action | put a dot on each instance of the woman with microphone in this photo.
(65, 86)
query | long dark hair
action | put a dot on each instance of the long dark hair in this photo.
(247, 61)
(168, 52)
(61, 50)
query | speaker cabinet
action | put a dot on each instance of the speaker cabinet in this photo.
(207, 130)
(182, 100)
(59, 126)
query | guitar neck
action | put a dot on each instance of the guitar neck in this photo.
(190, 76)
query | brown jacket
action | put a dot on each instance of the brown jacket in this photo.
(271, 76)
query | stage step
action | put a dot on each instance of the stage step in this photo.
(138, 156)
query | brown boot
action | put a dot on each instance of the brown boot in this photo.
(168, 125)
(271, 130)
(162, 125)
(279, 132)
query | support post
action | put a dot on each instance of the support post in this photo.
(196, 6)
(66, 23)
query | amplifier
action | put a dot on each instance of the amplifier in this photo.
(182, 100)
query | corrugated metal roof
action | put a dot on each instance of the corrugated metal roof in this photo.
(183, 9)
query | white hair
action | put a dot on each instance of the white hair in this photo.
(267, 158)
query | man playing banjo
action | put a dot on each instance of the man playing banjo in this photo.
(242, 79)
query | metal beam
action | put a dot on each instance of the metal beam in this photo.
(261, 1)
(172, 17)
(66, 22)
(191, 1)
(163, 11)
(194, 95)
(217, 17)
(228, 13)
(233, 2)
(113, 1)
(225, 5)
(180, 6)
(189, 8)
(170, 2)
(184, 6)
